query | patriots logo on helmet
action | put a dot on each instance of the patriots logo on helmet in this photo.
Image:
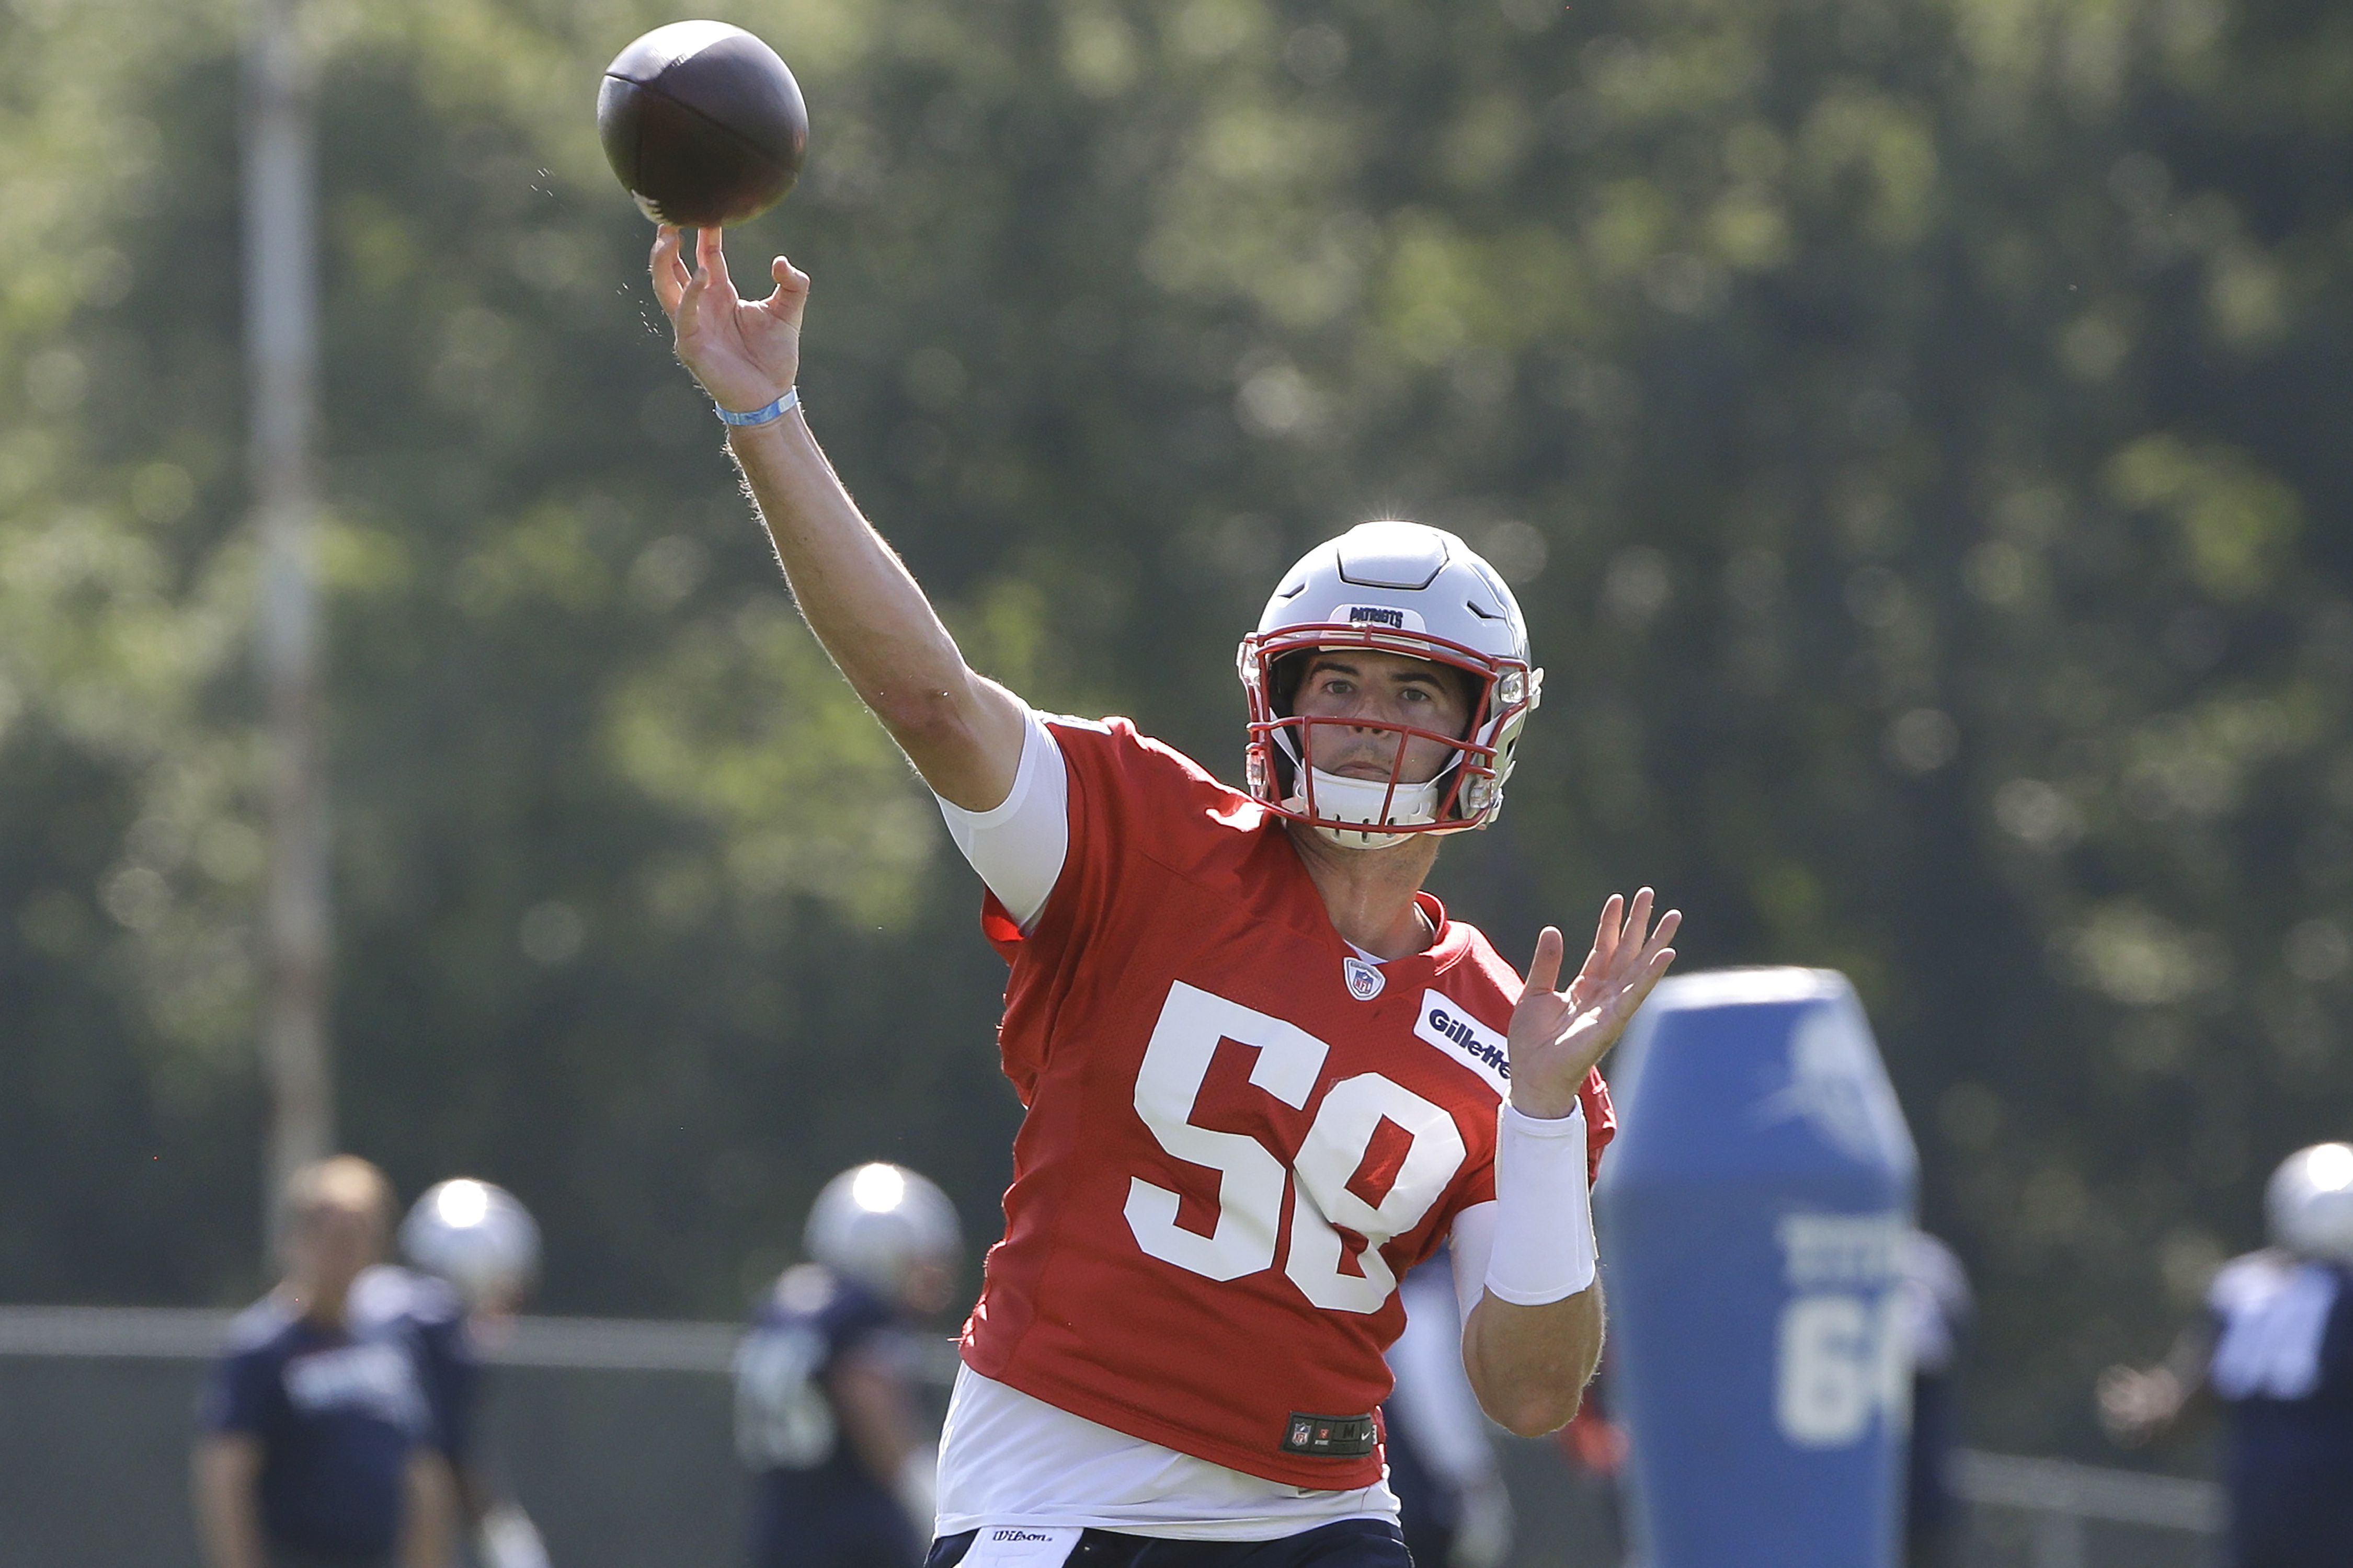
(1365, 980)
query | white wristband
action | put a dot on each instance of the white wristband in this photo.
(1544, 1216)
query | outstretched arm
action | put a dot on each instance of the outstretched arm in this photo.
(1528, 1350)
(962, 731)
(877, 1416)
(2138, 1406)
(225, 1479)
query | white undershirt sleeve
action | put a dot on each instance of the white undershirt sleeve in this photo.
(1018, 845)
(1471, 1243)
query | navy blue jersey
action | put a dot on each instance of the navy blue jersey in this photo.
(785, 1414)
(433, 1317)
(815, 1504)
(337, 1412)
(2282, 1364)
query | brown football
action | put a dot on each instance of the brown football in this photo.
(704, 123)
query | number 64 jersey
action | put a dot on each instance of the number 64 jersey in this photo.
(1240, 1135)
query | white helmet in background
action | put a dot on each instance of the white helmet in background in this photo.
(876, 1222)
(2309, 1203)
(1403, 588)
(475, 1236)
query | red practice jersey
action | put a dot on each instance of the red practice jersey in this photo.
(1240, 1135)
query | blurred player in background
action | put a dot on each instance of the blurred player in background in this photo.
(826, 1415)
(2275, 1349)
(1937, 1310)
(317, 1438)
(1449, 1488)
(473, 1252)
(1264, 1073)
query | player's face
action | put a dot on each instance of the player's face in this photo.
(930, 1288)
(1378, 689)
(328, 1245)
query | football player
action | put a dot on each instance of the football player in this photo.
(316, 1445)
(825, 1413)
(1265, 1073)
(473, 1252)
(1452, 1500)
(2275, 1349)
(1937, 1309)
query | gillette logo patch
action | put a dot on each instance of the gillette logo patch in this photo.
(1443, 1023)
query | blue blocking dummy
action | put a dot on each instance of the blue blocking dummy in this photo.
(1755, 1211)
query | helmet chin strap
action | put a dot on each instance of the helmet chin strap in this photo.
(1359, 800)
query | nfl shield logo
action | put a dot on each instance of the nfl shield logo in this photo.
(1365, 980)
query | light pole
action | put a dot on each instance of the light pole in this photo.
(282, 311)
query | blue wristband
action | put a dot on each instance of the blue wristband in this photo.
(768, 415)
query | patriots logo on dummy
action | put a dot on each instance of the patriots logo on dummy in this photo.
(1365, 980)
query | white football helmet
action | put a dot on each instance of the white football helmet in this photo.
(1405, 588)
(876, 1222)
(477, 1236)
(2309, 1203)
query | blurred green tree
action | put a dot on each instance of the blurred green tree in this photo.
(1915, 429)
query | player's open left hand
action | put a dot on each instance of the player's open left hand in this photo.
(1557, 1036)
(745, 353)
